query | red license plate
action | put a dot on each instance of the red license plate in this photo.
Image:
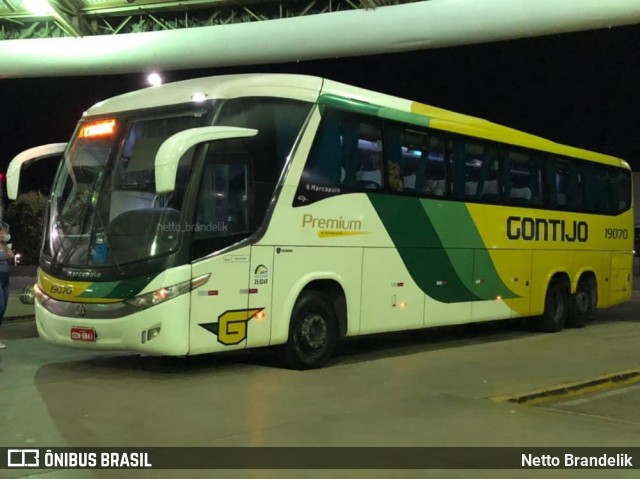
(83, 334)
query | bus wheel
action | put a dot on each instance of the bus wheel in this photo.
(556, 307)
(583, 303)
(312, 332)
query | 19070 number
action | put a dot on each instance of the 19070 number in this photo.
(616, 233)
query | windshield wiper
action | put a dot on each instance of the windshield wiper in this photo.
(58, 224)
(84, 211)
(106, 242)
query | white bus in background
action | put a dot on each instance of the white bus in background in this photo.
(246, 211)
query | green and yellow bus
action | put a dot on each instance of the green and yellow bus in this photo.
(245, 211)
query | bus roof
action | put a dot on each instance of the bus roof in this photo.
(300, 87)
(312, 89)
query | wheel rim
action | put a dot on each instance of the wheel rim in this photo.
(583, 301)
(313, 331)
(557, 307)
(311, 337)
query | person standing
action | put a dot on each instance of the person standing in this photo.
(5, 255)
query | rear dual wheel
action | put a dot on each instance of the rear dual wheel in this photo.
(583, 303)
(561, 308)
(556, 307)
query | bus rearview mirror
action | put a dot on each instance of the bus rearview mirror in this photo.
(172, 149)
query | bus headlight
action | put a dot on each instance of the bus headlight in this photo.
(146, 300)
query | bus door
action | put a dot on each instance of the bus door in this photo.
(221, 318)
(233, 309)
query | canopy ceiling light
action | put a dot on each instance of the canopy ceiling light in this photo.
(38, 7)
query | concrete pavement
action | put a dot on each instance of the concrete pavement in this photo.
(427, 388)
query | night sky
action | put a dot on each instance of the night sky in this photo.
(579, 89)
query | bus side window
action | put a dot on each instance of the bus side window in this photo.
(224, 204)
(567, 192)
(457, 167)
(488, 184)
(620, 187)
(523, 177)
(370, 171)
(346, 152)
(324, 163)
(404, 151)
(434, 183)
(367, 143)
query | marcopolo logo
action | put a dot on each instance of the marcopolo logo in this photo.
(541, 229)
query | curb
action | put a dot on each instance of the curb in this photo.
(568, 390)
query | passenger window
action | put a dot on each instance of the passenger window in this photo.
(346, 155)
(523, 178)
(565, 190)
(475, 169)
(370, 171)
(489, 183)
(435, 179)
(620, 187)
(596, 182)
(407, 150)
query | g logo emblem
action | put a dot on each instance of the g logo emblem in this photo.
(232, 327)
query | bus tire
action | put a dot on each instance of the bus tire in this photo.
(313, 332)
(556, 307)
(583, 303)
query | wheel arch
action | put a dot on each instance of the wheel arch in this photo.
(582, 273)
(555, 310)
(329, 284)
(540, 292)
(560, 275)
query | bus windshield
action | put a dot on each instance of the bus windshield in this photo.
(105, 210)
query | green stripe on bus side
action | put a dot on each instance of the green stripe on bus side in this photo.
(348, 104)
(99, 289)
(421, 249)
(365, 108)
(124, 289)
(453, 221)
(426, 234)
(131, 287)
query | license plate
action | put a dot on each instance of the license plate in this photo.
(83, 334)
